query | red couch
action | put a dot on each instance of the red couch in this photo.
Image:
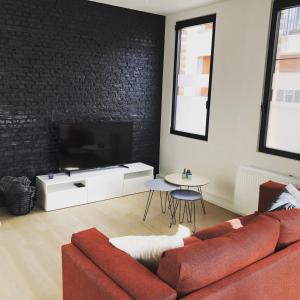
(252, 257)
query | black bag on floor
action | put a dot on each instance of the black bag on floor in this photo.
(18, 194)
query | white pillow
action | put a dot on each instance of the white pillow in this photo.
(288, 199)
(294, 192)
(148, 249)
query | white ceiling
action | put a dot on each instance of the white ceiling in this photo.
(162, 7)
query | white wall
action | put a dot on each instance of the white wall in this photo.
(239, 64)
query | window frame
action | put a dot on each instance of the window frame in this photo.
(278, 6)
(180, 25)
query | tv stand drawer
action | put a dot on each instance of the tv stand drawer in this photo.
(65, 195)
(106, 186)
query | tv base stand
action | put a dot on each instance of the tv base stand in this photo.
(91, 185)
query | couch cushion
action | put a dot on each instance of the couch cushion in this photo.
(126, 272)
(190, 240)
(223, 228)
(289, 226)
(200, 264)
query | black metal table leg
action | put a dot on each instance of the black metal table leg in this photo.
(185, 211)
(202, 201)
(175, 204)
(151, 192)
(169, 200)
(164, 205)
(194, 209)
(189, 215)
(163, 209)
(180, 213)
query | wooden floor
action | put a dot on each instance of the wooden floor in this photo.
(30, 259)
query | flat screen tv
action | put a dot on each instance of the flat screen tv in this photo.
(89, 146)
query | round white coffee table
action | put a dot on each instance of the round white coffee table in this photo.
(196, 182)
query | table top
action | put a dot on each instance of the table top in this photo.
(160, 185)
(196, 180)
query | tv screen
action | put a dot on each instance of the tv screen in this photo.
(88, 146)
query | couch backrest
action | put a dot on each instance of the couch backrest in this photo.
(274, 277)
(199, 264)
(268, 193)
(289, 226)
(289, 220)
(135, 279)
(223, 228)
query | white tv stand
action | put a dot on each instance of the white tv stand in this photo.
(99, 184)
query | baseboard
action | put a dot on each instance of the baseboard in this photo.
(215, 199)
(221, 202)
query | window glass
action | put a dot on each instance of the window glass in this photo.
(284, 108)
(194, 67)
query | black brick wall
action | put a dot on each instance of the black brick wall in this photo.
(75, 61)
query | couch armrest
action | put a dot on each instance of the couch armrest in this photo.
(82, 279)
(135, 279)
(267, 193)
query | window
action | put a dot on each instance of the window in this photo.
(192, 77)
(280, 124)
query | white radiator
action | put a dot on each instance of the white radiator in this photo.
(247, 185)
